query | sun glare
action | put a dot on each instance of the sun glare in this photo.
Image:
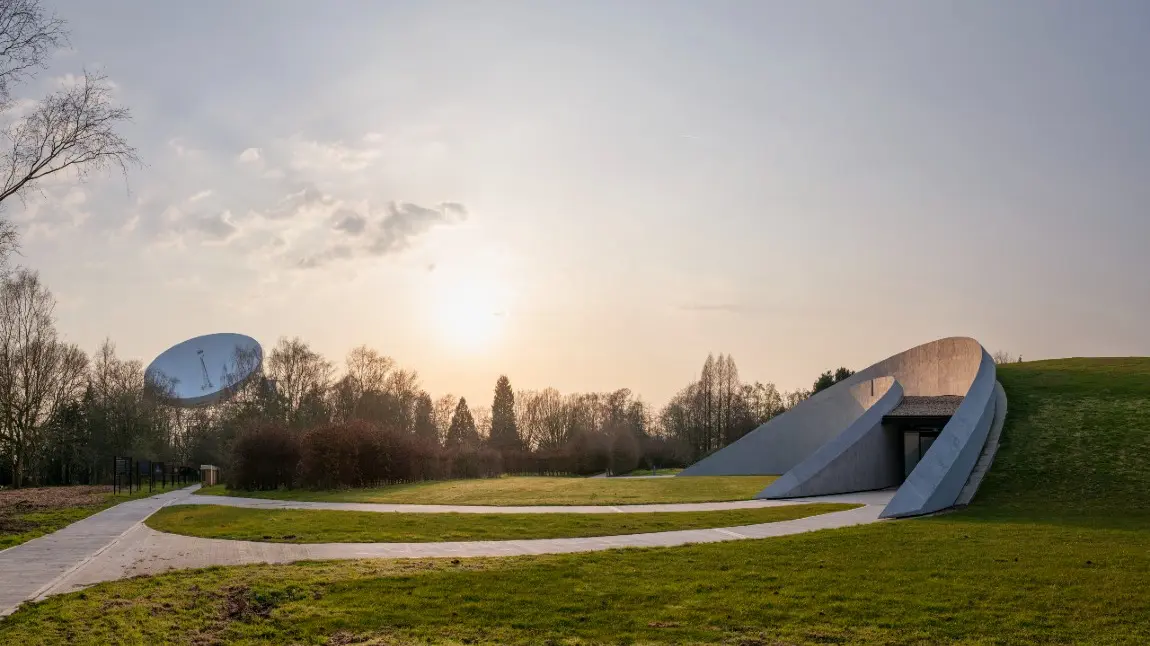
(470, 313)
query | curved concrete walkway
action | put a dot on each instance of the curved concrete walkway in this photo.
(873, 497)
(115, 543)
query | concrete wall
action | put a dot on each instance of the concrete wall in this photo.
(825, 443)
(786, 440)
(863, 457)
(941, 474)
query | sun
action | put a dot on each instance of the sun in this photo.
(470, 313)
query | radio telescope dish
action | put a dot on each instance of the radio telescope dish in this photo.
(204, 370)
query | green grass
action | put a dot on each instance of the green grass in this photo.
(39, 523)
(1054, 550)
(532, 490)
(325, 526)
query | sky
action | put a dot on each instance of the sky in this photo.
(596, 195)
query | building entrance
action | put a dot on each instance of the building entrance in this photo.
(915, 444)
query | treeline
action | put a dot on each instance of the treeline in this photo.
(64, 415)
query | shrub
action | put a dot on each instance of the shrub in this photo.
(664, 453)
(340, 455)
(624, 455)
(264, 456)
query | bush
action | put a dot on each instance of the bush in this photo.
(340, 455)
(264, 456)
(664, 453)
(359, 454)
(624, 455)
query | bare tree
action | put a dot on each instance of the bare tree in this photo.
(481, 415)
(792, 399)
(72, 129)
(369, 368)
(442, 412)
(300, 373)
(1002, 356)
(38, 373)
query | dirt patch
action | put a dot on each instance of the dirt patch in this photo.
(240, 605)
(15, 503)
(12, 525)
(19, 501)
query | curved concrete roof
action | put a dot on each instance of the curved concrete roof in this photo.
(835, 441)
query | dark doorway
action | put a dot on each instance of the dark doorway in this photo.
(915, 443)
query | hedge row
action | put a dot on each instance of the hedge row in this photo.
(359, 454)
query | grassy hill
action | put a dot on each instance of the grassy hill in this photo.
(1054, 549)
(1076, 442)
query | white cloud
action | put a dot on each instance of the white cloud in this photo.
(53, 211)
(320, 156)
(181, 147)
(327, 209)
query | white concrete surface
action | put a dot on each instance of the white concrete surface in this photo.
(110, 546)
(830, 443)
(986, 459)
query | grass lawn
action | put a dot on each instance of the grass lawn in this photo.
(325, 526)
(533, 490)
(1055, 549)
(26, 514)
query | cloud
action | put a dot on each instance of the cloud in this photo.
(454, 208)
(388, 230)
(349, 222)
(215, 227)
(337, 252)
(404, 221)
(323, 157)
(52, 211)
(181, 147)
(303, 202)
(294, 204)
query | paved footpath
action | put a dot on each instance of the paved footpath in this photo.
(876, 497)
(30, 569)
(115, 543)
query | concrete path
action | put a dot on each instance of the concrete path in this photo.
(29, 569)
(115, 543)
(876, 497)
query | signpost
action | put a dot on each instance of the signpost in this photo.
(121, 470)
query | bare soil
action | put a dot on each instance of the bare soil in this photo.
(18, 501)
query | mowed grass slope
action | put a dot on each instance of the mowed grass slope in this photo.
(1055, 549)
(533, 490)
(325, 526)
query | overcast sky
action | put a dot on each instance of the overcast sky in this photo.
(594, 195)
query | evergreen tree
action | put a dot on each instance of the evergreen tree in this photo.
(504, 434)
(462, 432)
(825, 380)
(424, 419)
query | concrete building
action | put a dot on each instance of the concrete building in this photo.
(917, 421)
